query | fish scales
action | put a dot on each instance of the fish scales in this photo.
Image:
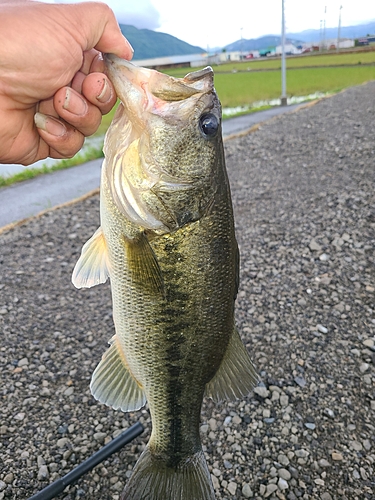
(167, 243)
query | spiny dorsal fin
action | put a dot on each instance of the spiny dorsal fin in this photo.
(236, 376)
(113, 384)
(92, 267)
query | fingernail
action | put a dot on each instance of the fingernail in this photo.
(49, 124)
(106, 92)
(74, 103)
(130, 47)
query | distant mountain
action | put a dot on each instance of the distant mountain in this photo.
(148, 44)
(345, 32)
(265, 42)
(261, 43)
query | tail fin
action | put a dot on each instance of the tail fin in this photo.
(153, 479)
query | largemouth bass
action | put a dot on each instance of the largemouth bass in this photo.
(167, 242)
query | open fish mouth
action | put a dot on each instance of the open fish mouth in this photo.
(139, 174)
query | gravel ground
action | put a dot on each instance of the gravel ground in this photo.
(303, 192)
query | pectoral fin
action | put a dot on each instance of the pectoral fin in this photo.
(143, 265)
(236, 376)
(92, 267)
(113, 384)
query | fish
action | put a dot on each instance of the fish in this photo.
(167, 242)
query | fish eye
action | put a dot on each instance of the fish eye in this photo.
(209, 124)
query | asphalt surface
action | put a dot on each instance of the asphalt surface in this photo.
(26, 199)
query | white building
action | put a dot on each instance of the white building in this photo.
(289, 49)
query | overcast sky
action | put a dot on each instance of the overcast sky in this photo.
(215, 24)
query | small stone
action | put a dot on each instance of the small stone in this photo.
(271, 488)
(262, 391)
(370, 343)
(324, 257)
(62, 442)
(215, 482)
(356, 474)
(299, 380)
(355, 445)
(227, 464)
(100, 436)
(364, 367)
(2, 485)
(319, 481)
(69, 391)
(310, 425)
(364, 475)
(283, 459)
(232, 487)
(204, 428)
(326, 496)
(324, 463)
(213, 424)
(322, 329)
(314, 246)
(330, 413)
(246, 491)
(43, 473)
(284, 474)
(23, 362)
(337, 456)
(367, 445)
(237, 420)
(20, 416)
(8, 479)
(301, 453)
(284, 400)
(282, 484)
(227, 420)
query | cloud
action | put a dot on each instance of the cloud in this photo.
(140, 13)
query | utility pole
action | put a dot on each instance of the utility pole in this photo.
(321, 36)
(241, 56)
(324, 28)
(338, 31)
(283, 66)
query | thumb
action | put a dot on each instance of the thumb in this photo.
(99, 29)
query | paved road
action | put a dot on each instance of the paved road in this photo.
(29, 198)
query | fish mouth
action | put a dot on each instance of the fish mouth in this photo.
(154, 86)
(151, 102)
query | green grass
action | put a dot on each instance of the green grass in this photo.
(239, 89)
(30, 173)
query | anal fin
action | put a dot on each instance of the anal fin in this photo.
(236, 376)
(92, 267)
(113, 384)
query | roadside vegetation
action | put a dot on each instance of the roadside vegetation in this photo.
(245, 84)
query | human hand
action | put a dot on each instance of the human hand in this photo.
(51, 66)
